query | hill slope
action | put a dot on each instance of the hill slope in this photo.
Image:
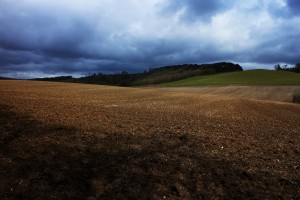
(5, 78)
(179, 72)
(78, 141)
(270, 93)
(152, 76)
(251, 77)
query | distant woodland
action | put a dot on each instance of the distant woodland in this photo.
(296, 68)
(152, 75)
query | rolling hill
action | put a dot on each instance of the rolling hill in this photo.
(152, 76)
(5, 78)
(79, 141)
(250, 78)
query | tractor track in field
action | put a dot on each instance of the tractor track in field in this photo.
(270, 93)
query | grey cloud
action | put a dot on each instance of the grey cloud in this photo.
(19, 28)
(292, 9)
(69, 41)
(30, 29)
(197, 10)
(34, 39)
(14, 57)
(281, 48)
(294, 6)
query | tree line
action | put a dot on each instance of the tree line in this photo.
(296, 68)
(158, 75)
(155, 75)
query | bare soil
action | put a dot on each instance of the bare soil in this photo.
(75, 141)
(272, 93)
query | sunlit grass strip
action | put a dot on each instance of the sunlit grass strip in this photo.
(252, 77)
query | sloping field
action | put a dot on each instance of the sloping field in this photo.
(246, 78)
(271, 93)
(73, 141)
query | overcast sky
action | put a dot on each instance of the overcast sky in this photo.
(48, 38)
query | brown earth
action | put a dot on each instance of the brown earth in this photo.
(73, 141)
(272, 93)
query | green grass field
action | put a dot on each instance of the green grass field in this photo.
(251, 77)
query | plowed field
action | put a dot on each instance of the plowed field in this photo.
(272, 93)
(75, 141)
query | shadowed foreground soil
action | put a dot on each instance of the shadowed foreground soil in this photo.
(44, 160)
(59, 162)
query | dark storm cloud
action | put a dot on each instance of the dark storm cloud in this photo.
(294, 6)
(290, 9)
(67, 40)
(19, 30)
(18, 57)
(35, 31)
(274, 51)
(197, 10)
(42, 37)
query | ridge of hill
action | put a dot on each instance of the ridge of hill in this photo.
(251, 77)
(152, 76)
(5, 78)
